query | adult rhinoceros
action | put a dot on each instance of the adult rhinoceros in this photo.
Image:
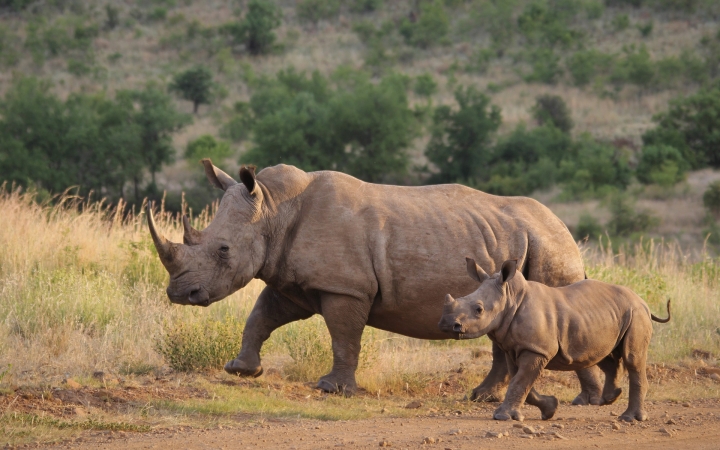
(360, 254)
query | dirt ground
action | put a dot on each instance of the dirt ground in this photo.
(672, 425)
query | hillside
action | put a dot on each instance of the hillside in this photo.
(614, 63)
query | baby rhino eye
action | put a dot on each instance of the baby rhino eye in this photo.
(224, 249)
(479, 309)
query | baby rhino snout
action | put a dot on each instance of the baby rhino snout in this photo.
(451, 324)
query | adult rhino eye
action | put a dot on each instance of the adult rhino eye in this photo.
(224, 249)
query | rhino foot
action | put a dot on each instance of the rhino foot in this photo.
(507, 414)
(483, 394)
(548, 407)
(586, 398)
(609, 399)
(629, 416)
(240, 368)
(333, 386)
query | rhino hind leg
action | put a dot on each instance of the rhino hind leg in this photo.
(271, 311)
(491, 388)
(345, 318)
(613, 373)
(634, 356)
(590, 387)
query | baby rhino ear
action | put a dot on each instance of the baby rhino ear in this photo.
(476, 272)
(508, 270)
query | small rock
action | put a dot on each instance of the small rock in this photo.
(458, 412)
(613, 413)
(385, 444)
(558, 425)
(494, 434)
(80, 412)
(670, 422)
(384, 410)
(518, 425)
(526, 436)
(429, 440)
(413, 405)
(615, 426)
(72, 384)
(455, 432)
(99, 374)
(714, 376)
(666, 431)
(560, 436)
(686, 405)
(528, 430)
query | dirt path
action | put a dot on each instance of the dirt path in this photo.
(672, 425)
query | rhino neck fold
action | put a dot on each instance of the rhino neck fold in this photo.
(515, 298)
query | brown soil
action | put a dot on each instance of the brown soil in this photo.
(671, 425)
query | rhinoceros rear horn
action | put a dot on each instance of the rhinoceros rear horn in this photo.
(217, 177)
(475, 271)
(191, 236)
(166, 249)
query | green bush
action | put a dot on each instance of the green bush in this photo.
(595, 169)
(594, 9)
(545, 66)
(552, 110)
(238, 127)
(207, 147)
(626, 219)
(157, 14)
(460, 141)
(691, 125)
(365, 6)
(202, 345)
(547, 23)
(430, 29)
(194, 85)
(621, 22)
(586, 65)
(313, 11)
(711, 197)
(112, 14)
(646, 28)
(635, 67)
(662, 165)
(588, 227)
(425, 85)
(480, 60)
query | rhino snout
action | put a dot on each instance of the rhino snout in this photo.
(196, 296)
(450, 324)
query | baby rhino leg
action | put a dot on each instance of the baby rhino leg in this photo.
(547, 403)
(613, 372)
(524, 372)
(635, 348)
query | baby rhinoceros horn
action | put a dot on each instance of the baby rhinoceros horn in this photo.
(450, 303)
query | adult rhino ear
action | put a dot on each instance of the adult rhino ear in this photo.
(508, 270)
(476, 272)
(217, 177)
(247, 177)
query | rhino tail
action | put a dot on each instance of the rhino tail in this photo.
(657, 319)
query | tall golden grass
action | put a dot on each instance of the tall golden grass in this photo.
(82, 289)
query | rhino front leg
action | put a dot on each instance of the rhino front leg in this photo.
(525, 371)
(271, 311)
(345, 318)
(490, 390)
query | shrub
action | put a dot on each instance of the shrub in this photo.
(364, 6)
(430, 29)
(545, 66)
(552, 110)
(202, 345)
(314, 11)
(425, 85)
(646, 28)
(157, 14)
(621, 22)
(546, 24)
(594, 9)
(195, 85)
(480, 60)
(588, 227)
(711, 198)
(460, 141)
(207, 147)
(112, 16)
(635, 67)
(662, 165)
(626, 219)
(690, 125)
(585, 65)
(594, 170)
(238, 127)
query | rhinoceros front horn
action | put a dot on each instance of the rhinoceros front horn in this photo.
(166, 249)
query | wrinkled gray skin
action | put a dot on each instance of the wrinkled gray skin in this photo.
(360, 254)
(582, 325)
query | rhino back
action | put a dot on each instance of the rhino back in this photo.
(403, 248)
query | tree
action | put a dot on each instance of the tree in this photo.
(255, 31)
(431, 28)
(195, 85)
(691, 125)
(157, 118)
(552, 110)
(661, 164)
(460, 141)
(207, 147)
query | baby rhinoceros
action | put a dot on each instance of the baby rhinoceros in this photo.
(567, 328)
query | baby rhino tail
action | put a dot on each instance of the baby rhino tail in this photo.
(657, 319)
